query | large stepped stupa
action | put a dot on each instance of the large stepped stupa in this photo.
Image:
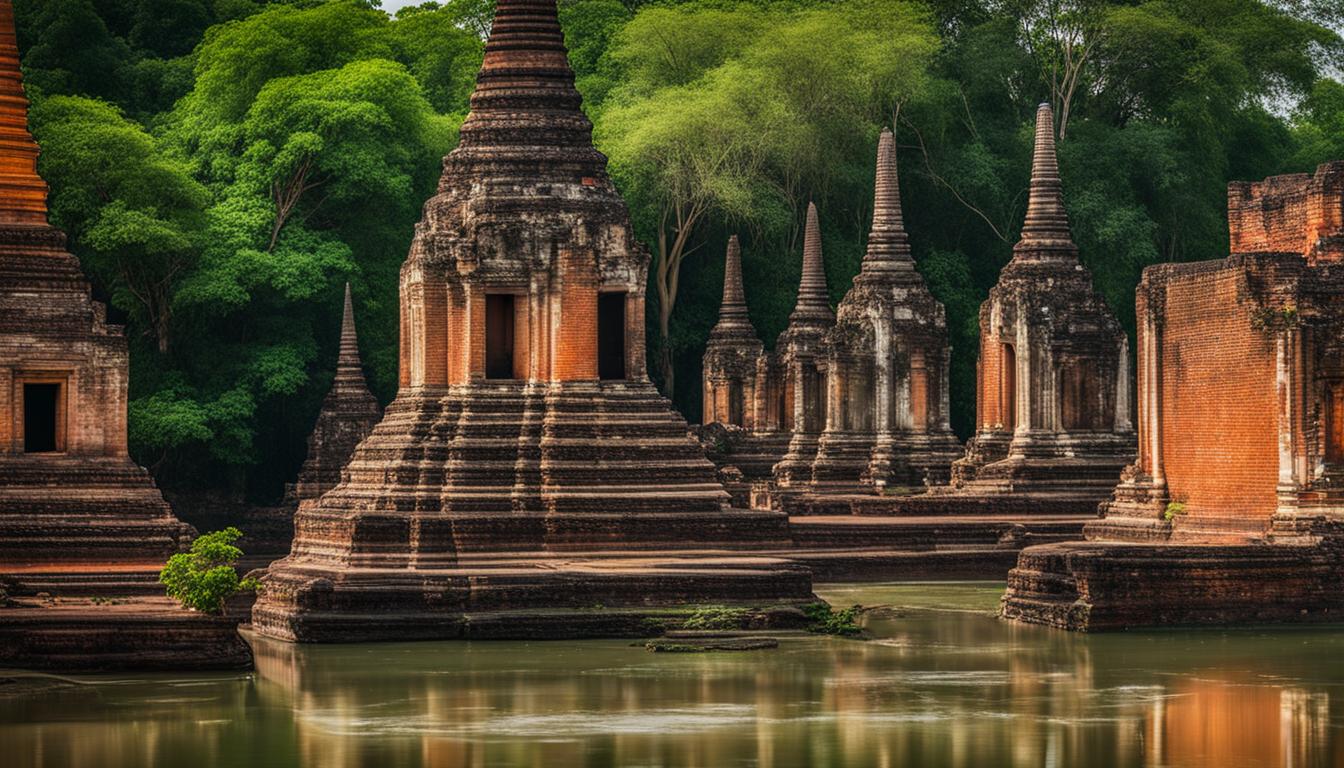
(527, 471)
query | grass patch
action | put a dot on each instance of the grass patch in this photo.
(825, 620)
(717, 617)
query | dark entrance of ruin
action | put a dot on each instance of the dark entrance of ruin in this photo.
(735, 403)
(1334, 424)
(1008, 387)
(41, 416)
(611, 336)
(499, 322)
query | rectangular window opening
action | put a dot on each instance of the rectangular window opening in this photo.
(41, 418)
(611, 336)
(499, 323)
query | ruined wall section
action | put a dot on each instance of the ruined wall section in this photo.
(1217, 374)
(1294, 213)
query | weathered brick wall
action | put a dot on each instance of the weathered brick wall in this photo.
(1294, 213)
(990, 410)
(1219, 410)
(576, 348)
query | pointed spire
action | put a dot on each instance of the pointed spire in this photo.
(525, 109)
(733, 317)
(349, 368)
(23, 194)
(813, 302)
(1047, 225)
(888, 243)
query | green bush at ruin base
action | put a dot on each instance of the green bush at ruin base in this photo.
(204, 577)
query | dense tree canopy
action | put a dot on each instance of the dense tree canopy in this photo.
(223, 166)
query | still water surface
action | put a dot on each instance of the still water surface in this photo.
(942, 683)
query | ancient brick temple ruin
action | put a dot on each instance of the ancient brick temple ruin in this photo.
(1234, 509)
(527, 471)
(69, 492)
(349, 412)
(797, 373)
(78, 518)
(1054, 424)
(735, 403)
(887, 361)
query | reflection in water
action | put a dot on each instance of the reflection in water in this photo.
(935, 687)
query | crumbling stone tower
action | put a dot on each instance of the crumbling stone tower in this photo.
(349, 412)
(887, 361)
(69, 492)
(1241, 376)
(526, 449)
(798, 365)
(1053, 382)
(733, 353)
(1233, 511)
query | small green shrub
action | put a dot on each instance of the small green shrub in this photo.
(825, 620)
(716, 617)
(203, 578)
(1174, 509)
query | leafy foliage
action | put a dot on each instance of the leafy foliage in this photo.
(203, 578)
(223, 166)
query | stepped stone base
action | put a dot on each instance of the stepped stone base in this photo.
(58, 509)
(140, 633)
(1099, 586)
(596, 595)
(851, 548)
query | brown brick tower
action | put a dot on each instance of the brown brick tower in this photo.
(70, 496)
(733, 381)
(1241, 436)
(349, 412)
(887, 361)
(800, 364)
(1053, 399)
(527, 462)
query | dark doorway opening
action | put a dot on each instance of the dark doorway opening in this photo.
(611, 335)
(41, 404)
(1008, 387)
(1080, 404)
(1334, 423)
(735, 403)
(499, 323)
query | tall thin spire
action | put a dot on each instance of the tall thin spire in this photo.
(813, 304)
(23, 194)
(733, 316)
(1047, 225)
(888, 243)
(349, 368)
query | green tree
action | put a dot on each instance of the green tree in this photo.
(203, 578)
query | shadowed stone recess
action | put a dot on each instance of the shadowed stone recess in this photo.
(527, 462)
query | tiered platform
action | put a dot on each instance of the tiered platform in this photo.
(1096, 586)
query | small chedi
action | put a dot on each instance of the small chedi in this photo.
(1233, 511)
(349, 412)
(737, 404)
(887, 364)
(527, 471)
(797, 372)
(1053, 380)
